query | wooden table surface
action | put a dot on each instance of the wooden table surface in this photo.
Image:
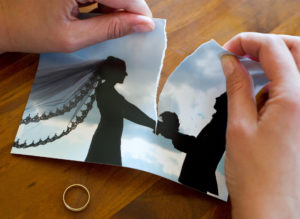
(32, 187)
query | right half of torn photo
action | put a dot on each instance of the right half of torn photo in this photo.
(192, 113)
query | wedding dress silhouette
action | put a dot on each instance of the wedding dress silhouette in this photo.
(114, 108)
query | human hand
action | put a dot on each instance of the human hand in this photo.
(52, 26)
(169, 125)
(165, 130)
(263, 148)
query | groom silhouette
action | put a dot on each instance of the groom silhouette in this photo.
(203, 153)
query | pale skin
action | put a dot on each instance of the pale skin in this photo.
(263, 148)
(53, 26)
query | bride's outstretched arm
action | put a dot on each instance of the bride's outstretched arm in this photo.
(134, 114)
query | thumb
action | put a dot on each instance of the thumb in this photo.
(107, 26)
(241, 102)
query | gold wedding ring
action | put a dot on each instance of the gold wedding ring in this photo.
(82, 207)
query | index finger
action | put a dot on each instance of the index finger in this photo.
(271, 51)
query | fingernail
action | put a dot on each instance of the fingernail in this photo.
(228, 64)
(141, 28)
(146, 24)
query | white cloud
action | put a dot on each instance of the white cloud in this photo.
(193, 107)
(209, 65)
(138, 149)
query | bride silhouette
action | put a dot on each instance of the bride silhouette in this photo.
(79, 86)
(114, 108)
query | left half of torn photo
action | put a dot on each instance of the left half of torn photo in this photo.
(97, 104)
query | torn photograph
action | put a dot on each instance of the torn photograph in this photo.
(192, 112)
(98, 105)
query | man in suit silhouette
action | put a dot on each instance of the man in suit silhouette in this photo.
(203, 153)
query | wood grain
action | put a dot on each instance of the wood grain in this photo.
(32, 187)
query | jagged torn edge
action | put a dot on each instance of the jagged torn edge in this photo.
(242, 59)
(159, 74)
(186, 58)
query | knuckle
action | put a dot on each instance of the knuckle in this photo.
(267, 40)
(272, 41)
(234, 85)
(243, 36)
(114, 29)
(238, 128)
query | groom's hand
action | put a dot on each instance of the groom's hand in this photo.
(166, 131)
